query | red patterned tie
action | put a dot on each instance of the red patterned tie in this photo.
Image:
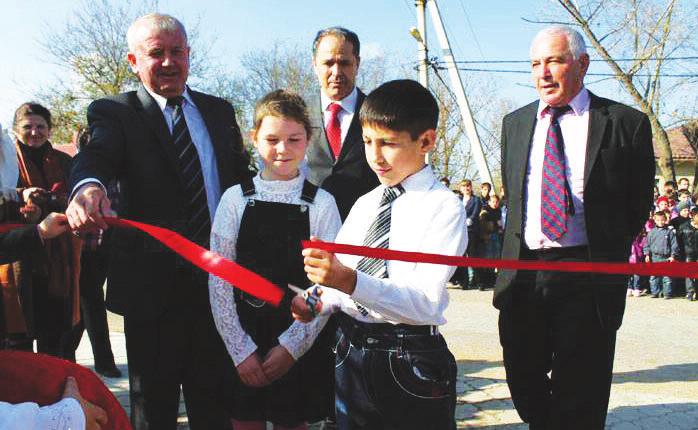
(334, 131)
(556, 199)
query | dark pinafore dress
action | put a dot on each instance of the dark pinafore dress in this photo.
(269, 243)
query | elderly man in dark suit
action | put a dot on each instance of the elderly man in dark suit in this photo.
(336, 156)
(175, 151)
(579, 171)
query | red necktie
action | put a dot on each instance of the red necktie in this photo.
(334, 131)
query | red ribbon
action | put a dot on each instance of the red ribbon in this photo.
(211, 262)
(675, 269)
(4, 228)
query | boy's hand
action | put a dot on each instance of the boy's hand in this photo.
(53, 225)
(301, 311)
(277, 362)
(251, 373)
(324, 268)
(648, 259)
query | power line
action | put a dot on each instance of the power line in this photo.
(599, 60)
(528, 72)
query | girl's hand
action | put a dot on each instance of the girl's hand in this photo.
(251, 373)
(277, 362)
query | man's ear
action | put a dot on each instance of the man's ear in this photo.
(131, 57)
(427, 141)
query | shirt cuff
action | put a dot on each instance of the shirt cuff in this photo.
(241, 354)
(87, 181)
(68, 412)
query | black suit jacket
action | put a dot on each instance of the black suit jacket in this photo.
(130, 142)
(618, 179)
(349, 177)
(19, 243)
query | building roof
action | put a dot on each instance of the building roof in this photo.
(680, 148)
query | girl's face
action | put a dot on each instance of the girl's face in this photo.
(662, 206)
(281, 143)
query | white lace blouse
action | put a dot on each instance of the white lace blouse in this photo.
(324, 223)
(64, 415)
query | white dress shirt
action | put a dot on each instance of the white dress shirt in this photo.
(202, 142)
(575, 130)
(429, 218)
(346, 114)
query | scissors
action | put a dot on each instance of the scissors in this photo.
(311, 298)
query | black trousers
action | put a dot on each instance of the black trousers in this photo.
(181, 348)
(554, 324)
(393, 379)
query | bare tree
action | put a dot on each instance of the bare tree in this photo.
(647, 32)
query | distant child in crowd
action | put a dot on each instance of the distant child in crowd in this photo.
(683, 214)
(661, 246)
(465, 276)
(260, 224)
(637, 255)
(490, 239)
(688, 237)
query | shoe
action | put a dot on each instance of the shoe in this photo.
(629, 292)
(654, 296)
(691, 297)
(109, 372)
(667, 297)
(637, 293)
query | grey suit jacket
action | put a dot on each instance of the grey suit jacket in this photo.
(349, 176)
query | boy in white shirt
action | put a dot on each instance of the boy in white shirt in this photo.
(393, 368)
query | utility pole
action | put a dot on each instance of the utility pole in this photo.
(457, 84)
(420, 34)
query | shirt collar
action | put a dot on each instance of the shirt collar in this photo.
(579, 104)
(162, 101)
(419, 181)
(348, 103)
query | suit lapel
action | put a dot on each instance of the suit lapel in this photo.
(598, 118)
(354, 132)
(521, 145)
(156, 120)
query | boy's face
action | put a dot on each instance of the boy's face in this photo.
(683, 197)
(394, 155)
(659, 221)
(685, 212)
(662, 205)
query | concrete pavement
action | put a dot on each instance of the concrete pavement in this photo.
(655, 383)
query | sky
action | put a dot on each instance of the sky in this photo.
(479, 30)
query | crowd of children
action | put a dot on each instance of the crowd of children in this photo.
(670, 234)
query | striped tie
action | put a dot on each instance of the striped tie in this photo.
(378, 236)
(556, 196)
(198, 225)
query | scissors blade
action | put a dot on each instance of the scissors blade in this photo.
(297, 290)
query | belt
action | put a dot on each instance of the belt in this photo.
(386, 335)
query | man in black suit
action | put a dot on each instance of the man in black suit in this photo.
(579, 171)
(336, 156)
(175, 151)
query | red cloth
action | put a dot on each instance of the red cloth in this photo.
(29, 377)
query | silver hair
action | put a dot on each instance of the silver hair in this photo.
(575, 41)
(162, 22)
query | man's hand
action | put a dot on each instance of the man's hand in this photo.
(88, 208)
(31, 212)
(53, 225)
(324, 268)
(95, 417)
(251, 373)
(301, 311)
(277, 362)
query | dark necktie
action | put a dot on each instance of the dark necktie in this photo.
(198, 218)
(556, 194)
(334, 130)
(378, 236)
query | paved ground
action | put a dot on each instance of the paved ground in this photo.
(655, 383)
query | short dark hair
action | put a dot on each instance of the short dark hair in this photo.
(401, 105)
(684, 179)
(31, 108)
(660, 213)
(670, 184)
(341, 33)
